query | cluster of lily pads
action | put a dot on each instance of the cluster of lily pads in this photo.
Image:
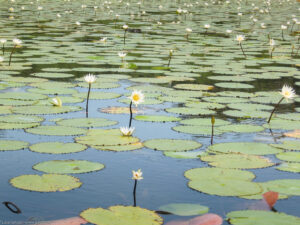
(207, 77)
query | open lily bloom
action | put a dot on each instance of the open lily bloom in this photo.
(127, 131)
(137, 175)
(137, 97)
(89, 78)
(288, 92)
(56, 102)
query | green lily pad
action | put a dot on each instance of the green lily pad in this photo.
(200, 130)
(289, 167)
(190, 111)
(14, 102)
(233, 85)
(182, 209)
(194, 87)
(44, 109)
(260, 217)
(216, 173)
(23, 96)
(53, 91)
(155, 118)
(46, 182)
(282, 124)
(57, 147)
(52, 75)
(237, 161)
(184, 155)
(148, 101)
(68, 166)
(241, 128)
(250, 106)
(99, 85)
(289, 116)
(120, 148)
(12, 145)
(205, 105)
(289, 156)
(224, 100)
(127, 214)
(288, 145)
(21, 119)
(5, 109)
(284, 186)
(56, 130)
(86, 122)
(13, 126)
(172, 144)
(246, 114)
(252, 148)
(204, 122)
(97, 95)
(110, 137)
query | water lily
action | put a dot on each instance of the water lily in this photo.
(17, 43)
(122, 55)
(283, 27)
(287, 93)
(89, 78)
(1, 59)
(127, 131)
(56, 102)
(241, 38)
(137, 97)
(136, 175)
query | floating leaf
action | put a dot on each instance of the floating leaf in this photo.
(13, 126)
(241, 128)
(195, 87)
(127, 214)
(172, 144)
(284, 186)
(11, 145)
(252, 148)
(234, 85)
(86, 122)
(21, 119)
(289, 167)
(288, 145)
(204, 122)
(190, 111)
(23, 96)
(200, 130)
(182, 209)
(5, 109)
(98, 95)
(155, 118)
(120, 148)
(39, 110)
(119, 110)
(56, 130)
(183, 155)
(282, 124)
(207, 219)
(57, 147)
(67, 221)
(289, 156)
(46, 182)
(294, 134)
(68, 166)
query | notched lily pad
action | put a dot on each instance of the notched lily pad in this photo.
(182, 209)
(155, 118)
(57, 130)
(12, 145)
(172, 144)
(86, 122)
(57, 147)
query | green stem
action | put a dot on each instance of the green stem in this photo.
(243, 50)
(130, 109)
(12, 51)
(87, 101)
(275, 107)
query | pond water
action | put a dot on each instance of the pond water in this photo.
(185, 58)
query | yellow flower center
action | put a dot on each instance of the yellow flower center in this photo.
(286, 93)
(136, 97)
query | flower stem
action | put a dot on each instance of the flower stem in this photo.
(87, 101)
(282, 35)
(130, 109)
(275, 107)
(212, 135)
(242, 50)
(124, 41)
(12, 207)
(12, 51)
(3, 49)
(170, 57)
(134, 193)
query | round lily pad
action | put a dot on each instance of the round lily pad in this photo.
(86, 122)
(12, 145)
(110, 137)
(97, 95)
(21, 119)
(190, 111)
(57, 130)
(282, 124)
(289, 167)
(194, 87)
(241, 128)
(13, 126)
(127, 214)
(260, 217)
(288, 145)
(204, 122)
(289, 116)
(237, 161)
(154, 118)
(284, 186)
(57, 147)
(200, 130)
(68, 166)
(14, 102)
(120, 148)
(246, 114)
(249, 106)
(205, 105)
(252, 148)
(289, 156)
(52, 75)
(184, 155)
(46, 182)
(39, 110)
(234, 85)
(22, 96)
(182, 209)
(5, 109)
(119, 110)
(172, 144)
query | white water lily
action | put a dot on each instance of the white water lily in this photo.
(17, 42)
(56, 102)
(122, 54)
(125, 27)
(228, 31)
(137, 175)
(288, 92)
(103, 39)
(206, 26)
(188, 30)
(127, 131)
(11, 9)
(1, 59)
(89, 78)
(240, 38)
(137, 97)
(78, 23)
(272, 42)
(283, 27)
(3, 41)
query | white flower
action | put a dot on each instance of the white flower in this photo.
(2, 41)
(17, 41)
(78, 23)
(288, 92)
(179, 11)
(137, 97)
(262, 25)
(40, 7)
(89, 78)
(117, 16)
(58, 15)
(83, 6)
(159, 23)
(11, 9)
(1, 59)
(56, 102)
(122, 54)
(206, 26)
(240, 14)
(103, 39)
(126, 131)
(272, 42)
(125, 27)
(137, 175)
(188, 30)
(240, 38)
(228, 31)
(283, 27)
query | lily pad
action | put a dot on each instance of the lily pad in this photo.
(260, 217)
(119, 110)
(284, 186)
(288, 145)
(182, 209)
(120, 148)
(289, 156)
(46, 182)
(127, 214)
(252, 148)
(184, 155)
(13, 126)
(56, 130)
(21, 119)
(172, 144)
(57, 147)
(12, 145)
(155, 118)
(241, 128)
(282, 124)
(194, 87)
(234, 85)
(44, 109)
(190, 111)
(86, 122)
(68, 166)
(97, 95)
(289, 167)
(204, 122)
(23, 96)
(5, 109)
(237, 161)
(200, 130)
